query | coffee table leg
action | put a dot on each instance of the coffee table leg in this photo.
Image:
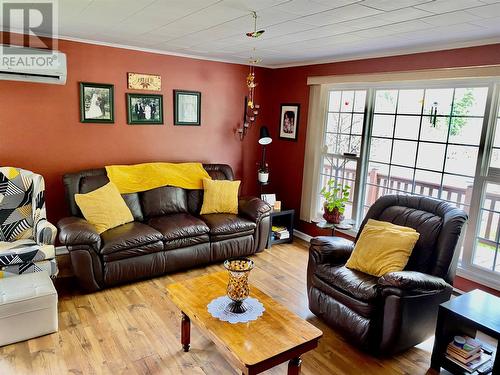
(294, 366)
(185, 332)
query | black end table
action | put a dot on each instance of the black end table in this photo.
(465, 315)
(282, 218)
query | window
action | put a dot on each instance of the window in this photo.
(342, 142)
(425, 142)
(428, 138)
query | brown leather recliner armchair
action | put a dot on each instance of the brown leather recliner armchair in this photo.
(392, 313)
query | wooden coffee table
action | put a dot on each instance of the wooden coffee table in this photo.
(276, 337)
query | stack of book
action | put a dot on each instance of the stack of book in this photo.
(469, 357)
(280, 233)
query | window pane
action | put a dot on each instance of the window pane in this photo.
(496, 142)
(383, 126)
(380, 150)
(431, 156)
(404, 153)
(332, 123)
(410, 101)
(359, 101)
(385, 101)
(407, 127)
(461, 159)
(470, 101)
(435, 132)
(334, 101)
(495, 158)
(439, 99)
(427, 183)
(401, 180)
(347, 103)
(486, 246)
(345, 123)
(466, 130)
(357, 124)
(457, 189)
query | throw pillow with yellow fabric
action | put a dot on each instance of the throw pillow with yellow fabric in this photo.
(104, 208)
(382, 247)
(220, 196)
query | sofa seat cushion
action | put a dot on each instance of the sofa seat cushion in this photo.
(131, 236)
(226, 226)
(359, 285)
(177, 226)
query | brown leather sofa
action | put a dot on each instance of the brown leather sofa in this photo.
(168, 233)
(388, 314)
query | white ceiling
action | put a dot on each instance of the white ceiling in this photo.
(297, 31)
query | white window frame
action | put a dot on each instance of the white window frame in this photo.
(483, 173)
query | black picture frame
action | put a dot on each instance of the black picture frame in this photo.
(134, 116)
(284, 130)
(179, 117)
(91, 106)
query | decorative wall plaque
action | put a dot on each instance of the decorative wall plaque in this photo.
(139, 81)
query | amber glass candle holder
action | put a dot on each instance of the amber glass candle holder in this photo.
(237, 288)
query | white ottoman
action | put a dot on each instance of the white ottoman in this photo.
(28, 307)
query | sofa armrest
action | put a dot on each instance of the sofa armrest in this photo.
(412, 281)
(335, 250)
(74, 231)
(253, 208)
(45, 232)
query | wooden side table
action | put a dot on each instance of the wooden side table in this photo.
(465, 315)
(283, 218)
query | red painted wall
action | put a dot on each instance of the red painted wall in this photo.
(40, 128)
(289, 85)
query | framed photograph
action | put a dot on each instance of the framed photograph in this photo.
(144, 109)
(289, 121)
(96, 103)
(140, 81)
(187, 107)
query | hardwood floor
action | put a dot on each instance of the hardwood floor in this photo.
(135, 329)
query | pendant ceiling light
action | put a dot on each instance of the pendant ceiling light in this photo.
(251, 108)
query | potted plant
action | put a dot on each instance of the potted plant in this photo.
(335, 199)
(263, 173)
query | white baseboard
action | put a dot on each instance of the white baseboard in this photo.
(302, 235)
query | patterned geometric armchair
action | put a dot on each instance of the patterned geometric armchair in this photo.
(26, 237)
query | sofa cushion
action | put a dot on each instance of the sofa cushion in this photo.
(164, 201)
(91, 183)
(225, 226)
(177, 226)
(129, 236)
(354, 283)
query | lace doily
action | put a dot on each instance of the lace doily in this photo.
(217, 308)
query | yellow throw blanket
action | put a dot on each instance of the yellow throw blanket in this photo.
(147, 176)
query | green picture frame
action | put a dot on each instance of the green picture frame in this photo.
(144, 109)
(97, 103)
(187, 108)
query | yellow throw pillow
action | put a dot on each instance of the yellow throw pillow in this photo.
(104, 208)
(382, 247)
(220, 196)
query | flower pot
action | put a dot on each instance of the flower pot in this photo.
(263, 177)
(332, 216)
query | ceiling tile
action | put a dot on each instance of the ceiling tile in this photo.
(440, 6)
(306, 7)
(388, 5)
(346, 13)
(486, 11)
(451, 18)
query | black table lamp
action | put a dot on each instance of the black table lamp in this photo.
(264, 140)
